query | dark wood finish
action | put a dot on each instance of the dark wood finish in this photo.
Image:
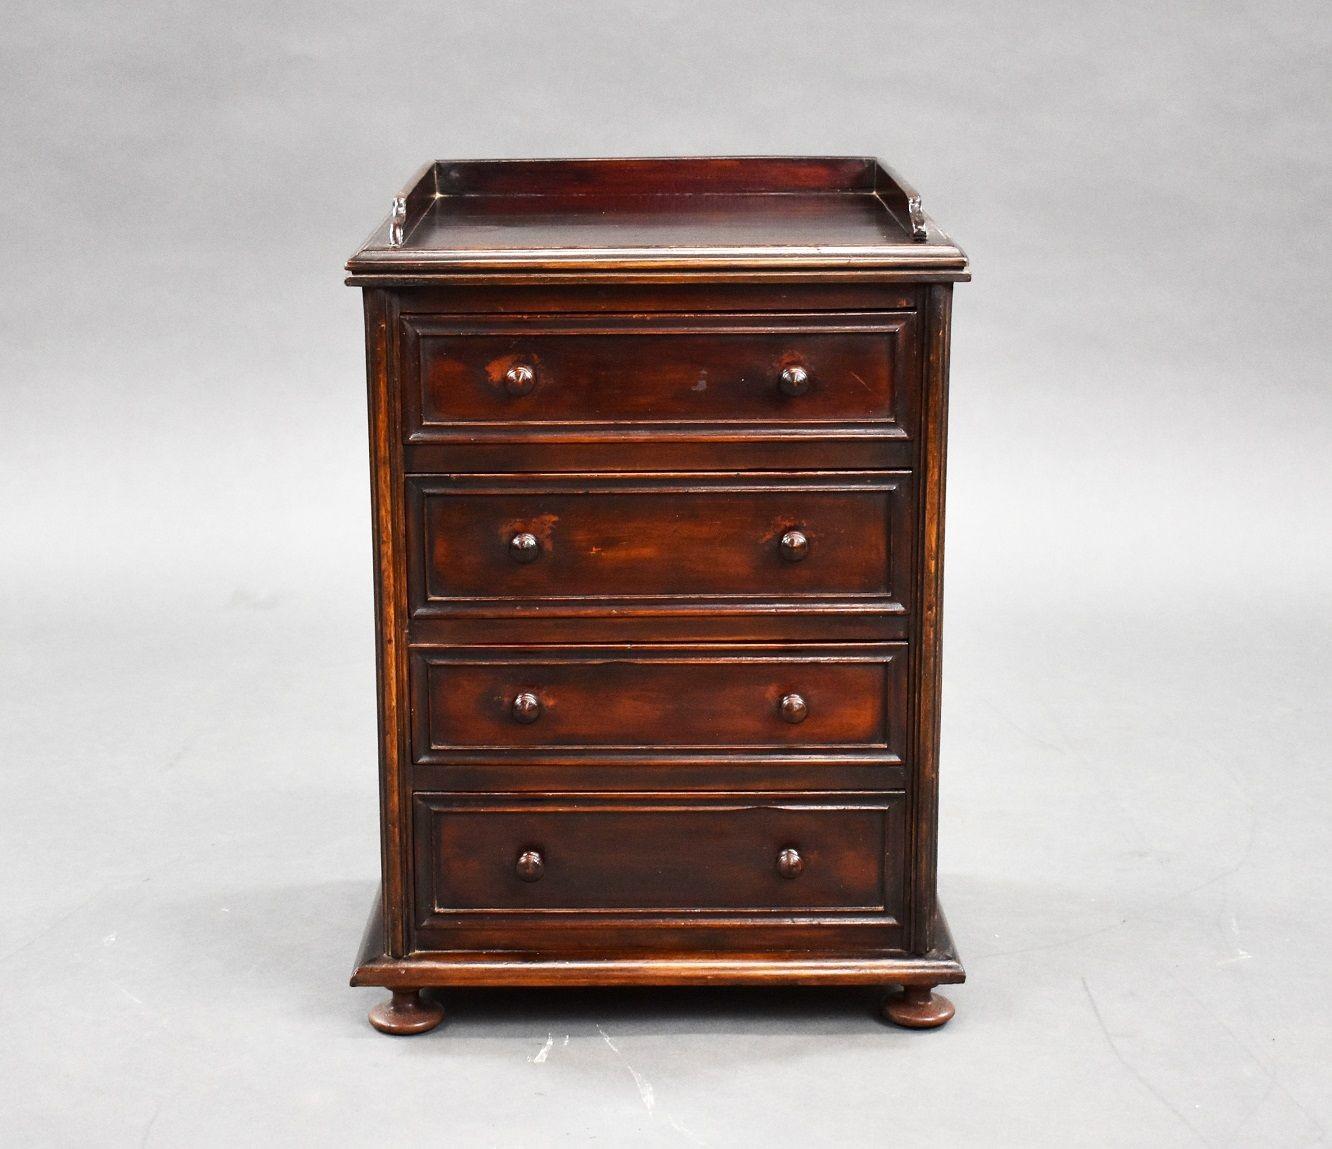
(390, 609)
(406, 1013)
(549, 771)
(929, 619)
(668, 620)
(471, 295)
(780, 215)
(699, 376)
(675, 541)
(632, 453)
(620, 966)
(659, 873)
(917, 1008)
(591, 701)
(658, 466)
(664, 936)
(599, 178)
(647, 856)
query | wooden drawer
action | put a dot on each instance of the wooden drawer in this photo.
(757, 855)
(557, 545)
(475, 379)
(667, 699)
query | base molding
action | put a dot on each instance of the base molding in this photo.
(443, 968)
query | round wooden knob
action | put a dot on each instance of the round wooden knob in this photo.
(530, 865)
(519, 380)
(527, 708)
(794, 708)
(794, 381)
(795, 547)
(524, 548)
(789, 863)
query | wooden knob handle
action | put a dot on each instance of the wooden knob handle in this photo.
(794, 381)
(794, 708)
(789, 863)
(530, 866)
(794, 546)
(519, 380)
(524, 548)
(526, 708)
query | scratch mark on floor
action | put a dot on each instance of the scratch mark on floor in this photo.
(136, 1000)
(46, 929)
(1198, 887)
(147, 1129)
(645, 1091)
(978, 958)
(1262, 1066)
(1130, 1067)
(1257, 1105)
(685, 1131)
(1003, 713)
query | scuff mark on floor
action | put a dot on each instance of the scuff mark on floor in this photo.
(544, 1051)
(646, 1093)
(645, 1090)
(148, 1129)
(1133, 1069)
(685, 1131)
(135, 1000)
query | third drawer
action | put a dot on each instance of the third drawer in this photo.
(667, 700)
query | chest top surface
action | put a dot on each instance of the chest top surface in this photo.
(792, 214)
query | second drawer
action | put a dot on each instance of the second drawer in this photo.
(534, 546)
(673, 699)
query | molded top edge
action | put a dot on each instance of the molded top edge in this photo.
(677, 214)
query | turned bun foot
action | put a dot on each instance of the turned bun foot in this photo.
(917, 1007)
(406, 1012)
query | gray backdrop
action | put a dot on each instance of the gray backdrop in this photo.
(1135, 799)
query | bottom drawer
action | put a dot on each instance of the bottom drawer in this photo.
(565, 864)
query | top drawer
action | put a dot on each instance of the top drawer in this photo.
(482, 378)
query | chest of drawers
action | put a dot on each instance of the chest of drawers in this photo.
(657, 453)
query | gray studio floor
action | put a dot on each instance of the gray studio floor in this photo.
(1134, 863)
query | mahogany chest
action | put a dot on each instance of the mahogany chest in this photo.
(657, 453)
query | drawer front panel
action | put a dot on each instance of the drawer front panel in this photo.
(477, 379)
(756, 855)
(597, 544)
(665, 699)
